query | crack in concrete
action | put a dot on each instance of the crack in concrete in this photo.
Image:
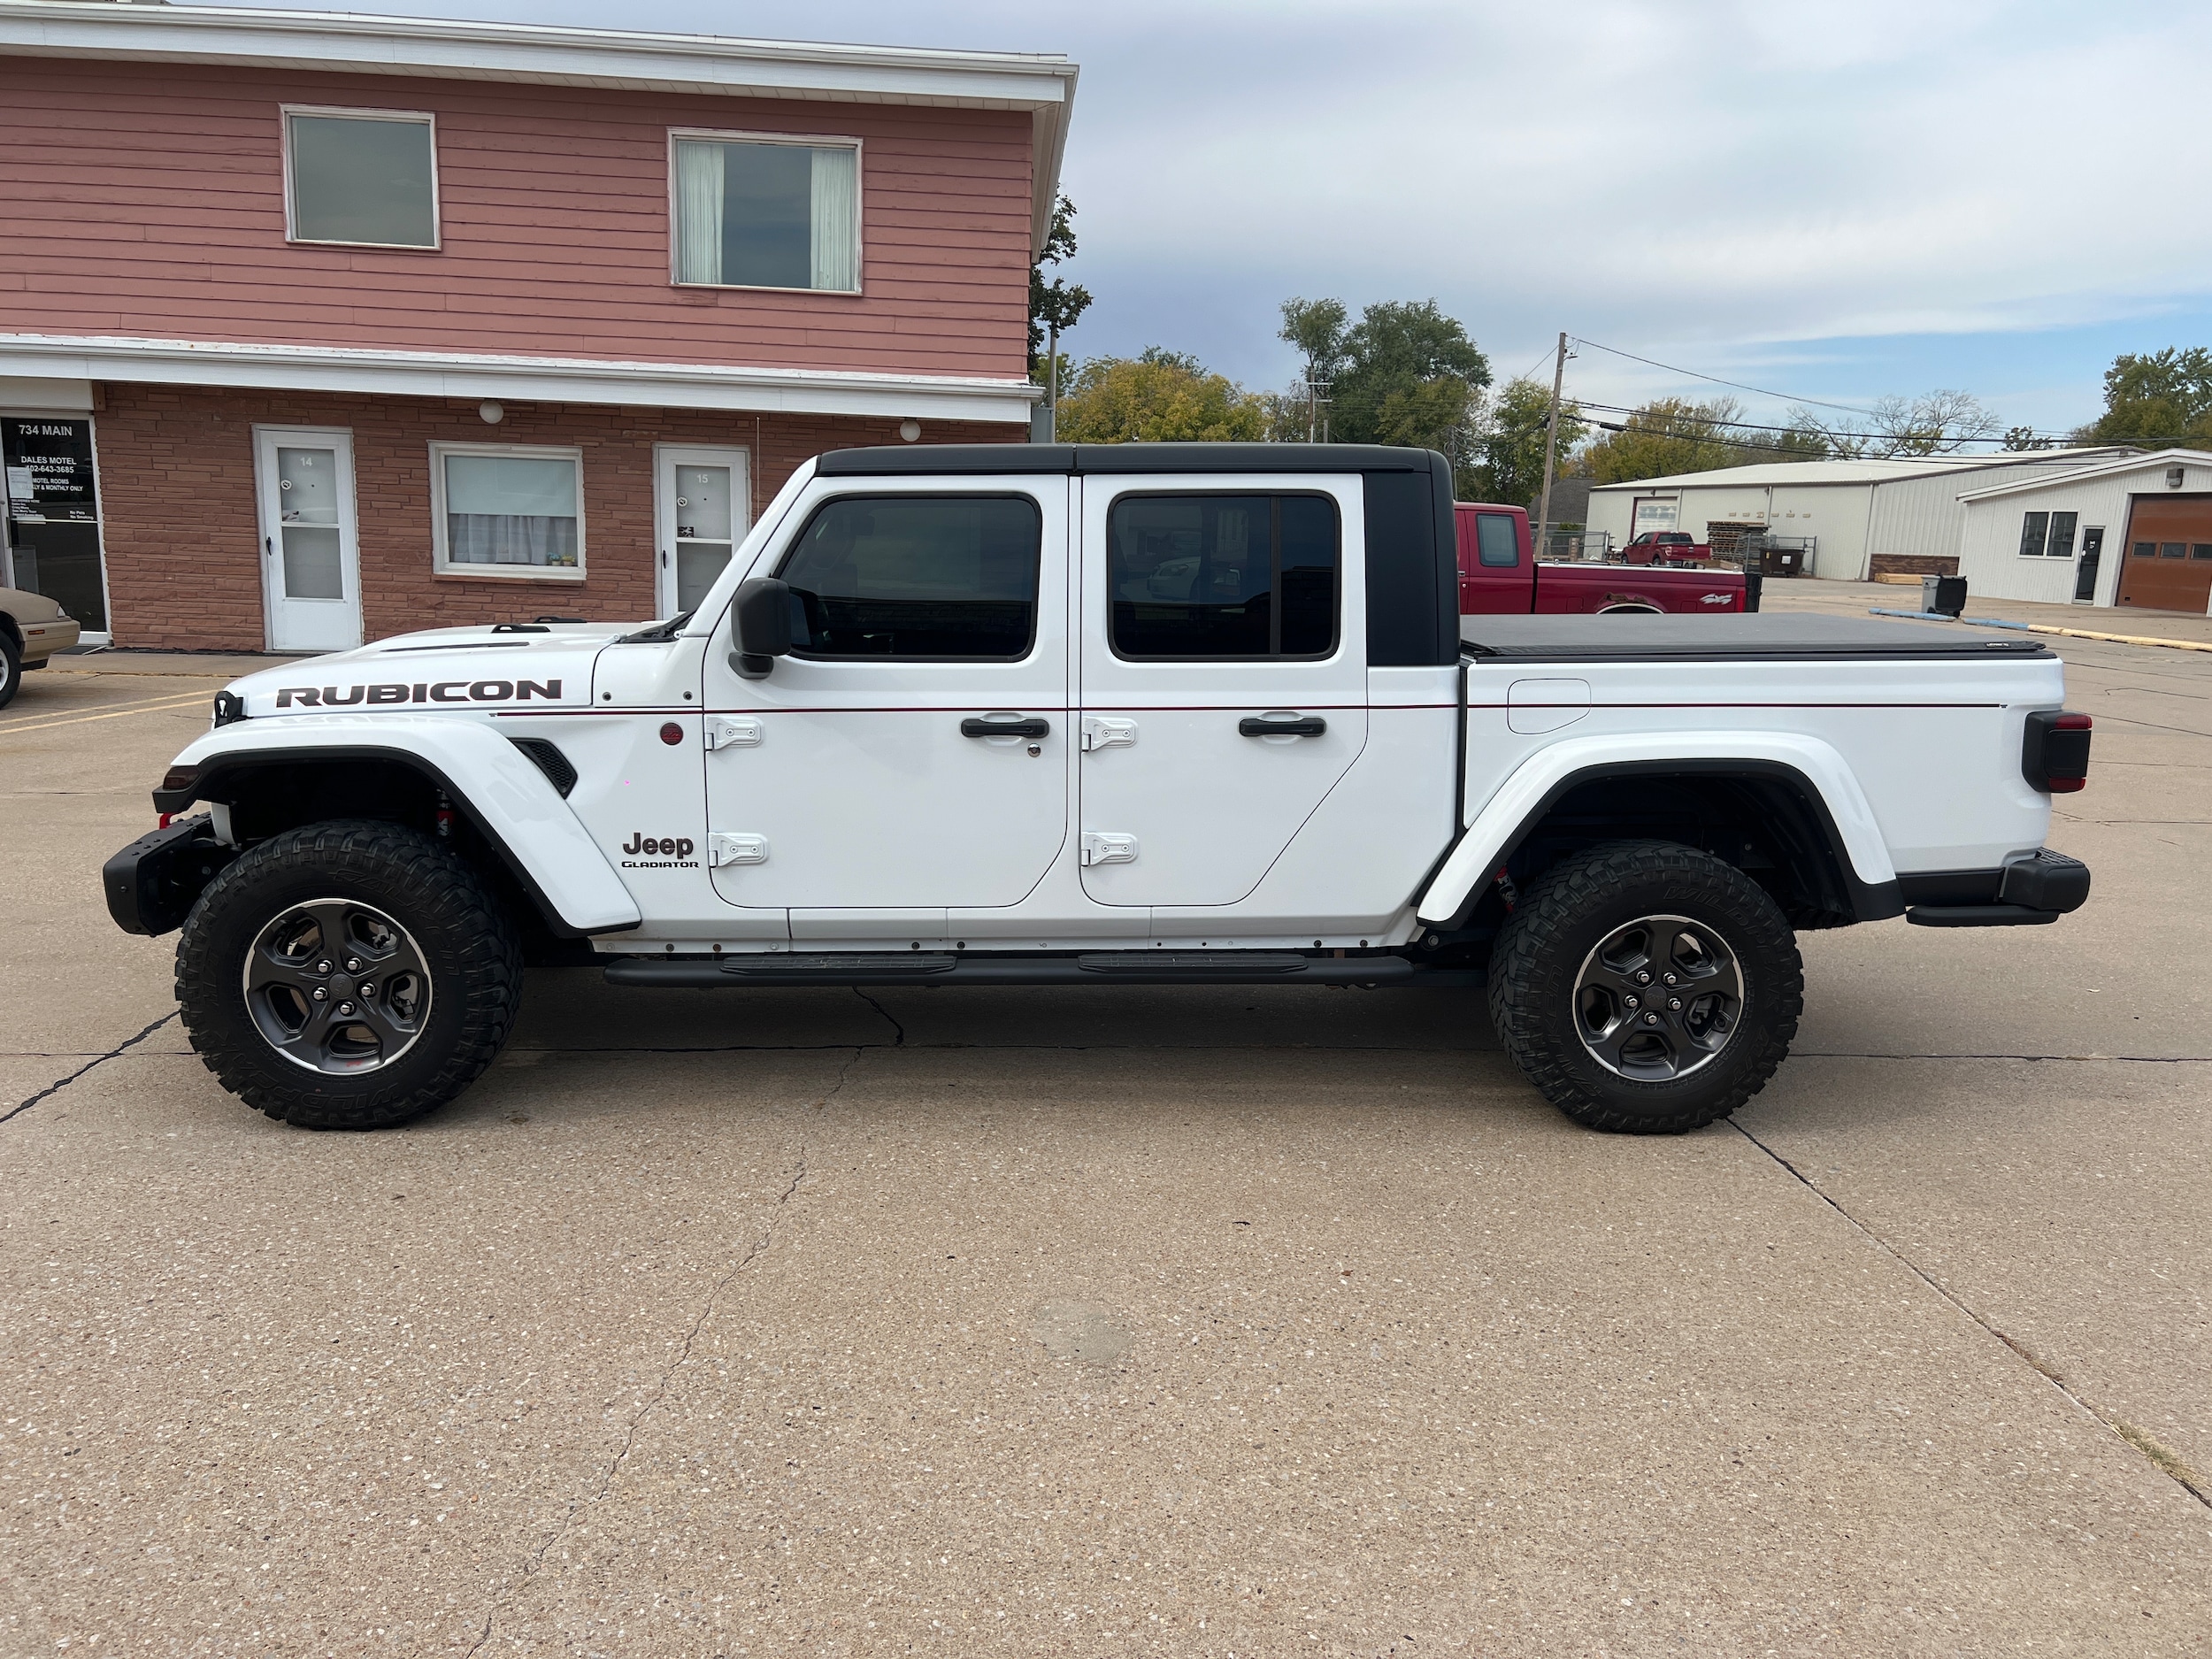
(2161, 1458)
(536, 1559)
(56, 1087)
(898, 1041)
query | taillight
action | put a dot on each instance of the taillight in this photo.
(2055, 751)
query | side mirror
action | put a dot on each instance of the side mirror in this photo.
(764, 627)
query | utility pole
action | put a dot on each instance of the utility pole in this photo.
(1551, 444)
(1052, 383)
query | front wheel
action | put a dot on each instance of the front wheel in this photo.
(11, 671)
(348, 975)
(1646, 987)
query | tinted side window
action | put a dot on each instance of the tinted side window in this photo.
(916, 577)
(1495, 544)
(1230, 575)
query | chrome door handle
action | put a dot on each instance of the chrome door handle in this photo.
(1295, 725)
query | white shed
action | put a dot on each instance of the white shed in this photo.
(2135, 532)
(1865, 517)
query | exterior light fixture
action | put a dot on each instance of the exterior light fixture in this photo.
(910, 430)
(492, 413)
(2174, 476)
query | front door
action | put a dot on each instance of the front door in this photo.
(1224, 678)
(911, 754)
(2085, 572)
(701, 502)
(311, 564)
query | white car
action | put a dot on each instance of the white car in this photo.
(943, 721)
(32, 628)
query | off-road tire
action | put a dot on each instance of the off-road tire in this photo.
(10, 670)
(467, 942)
(1560, 921)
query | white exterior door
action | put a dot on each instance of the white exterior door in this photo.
(310, 562)
(1224, 677)
(865, 784)
(701, 500)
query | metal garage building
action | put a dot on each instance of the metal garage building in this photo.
(2136, 532)
(1864, 518)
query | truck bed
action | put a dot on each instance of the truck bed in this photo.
(1761, 636)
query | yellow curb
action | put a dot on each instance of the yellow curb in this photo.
(2121, 639)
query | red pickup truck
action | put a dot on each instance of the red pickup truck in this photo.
(1667, 547)
(1499, 575)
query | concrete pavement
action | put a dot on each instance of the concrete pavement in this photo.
(1205, 1322)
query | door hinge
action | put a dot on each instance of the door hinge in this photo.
(723, 732)
(1108, 850)
(723, 848)
(1100, 733)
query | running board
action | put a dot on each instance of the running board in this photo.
(1109, 967)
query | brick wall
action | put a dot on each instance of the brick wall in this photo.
(183, 546)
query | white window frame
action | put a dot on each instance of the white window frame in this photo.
(822, 141)
(442, 561)
(286, 111)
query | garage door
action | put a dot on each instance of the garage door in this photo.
(2168, 565)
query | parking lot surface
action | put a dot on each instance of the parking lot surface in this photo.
(1209, 1321)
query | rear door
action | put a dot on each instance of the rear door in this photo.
(1223, 677)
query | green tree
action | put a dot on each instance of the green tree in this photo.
(1509, 443)
(1158, 397)
(2158, 401)
(1411, 375)
(1666, 436)
(1054, 307)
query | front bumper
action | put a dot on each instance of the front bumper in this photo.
(42, 639)
(2029, 892)
(153, 884)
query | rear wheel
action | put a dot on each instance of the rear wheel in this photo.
(348, 975)
(1646, 987)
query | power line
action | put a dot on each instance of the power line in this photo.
(1736, 385)
(1750, 426)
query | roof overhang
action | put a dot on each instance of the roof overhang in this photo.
(1042, 85)
(523, 380)
(2158, 461)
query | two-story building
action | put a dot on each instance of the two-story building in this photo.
(317, 328)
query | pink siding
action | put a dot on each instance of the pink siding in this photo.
(148, 199)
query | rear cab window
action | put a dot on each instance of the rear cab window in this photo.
(1226, 576)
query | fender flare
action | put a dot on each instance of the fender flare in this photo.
(506, 797)
(1814, 767)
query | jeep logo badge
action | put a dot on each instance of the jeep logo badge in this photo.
(666, 852)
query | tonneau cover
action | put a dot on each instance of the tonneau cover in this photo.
(1772, 635)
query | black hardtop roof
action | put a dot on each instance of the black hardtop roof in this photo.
(939, 459)
(1769, 634)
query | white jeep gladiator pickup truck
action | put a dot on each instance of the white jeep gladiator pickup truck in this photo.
(1049, 715)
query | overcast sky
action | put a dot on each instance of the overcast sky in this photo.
(1835, 200)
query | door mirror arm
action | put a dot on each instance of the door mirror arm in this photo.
(763, 608)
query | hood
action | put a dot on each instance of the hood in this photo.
(504, 665)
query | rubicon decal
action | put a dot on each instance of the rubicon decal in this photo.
(439, 691)
(665, 852)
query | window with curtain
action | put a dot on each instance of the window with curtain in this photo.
(366, 177)
(767, 215)
(508, 513)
